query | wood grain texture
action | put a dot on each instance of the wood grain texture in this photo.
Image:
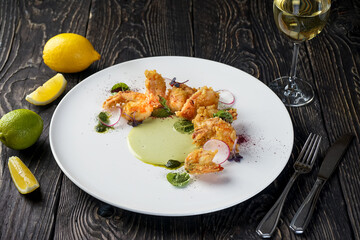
(129, 30)
(265, 52)
(240, 33)
(336, 81)
(25, 27)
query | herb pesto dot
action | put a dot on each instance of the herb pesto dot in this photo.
(101, 128)
(173, 164)
(178, 179)
(119, 87)
(184, 126)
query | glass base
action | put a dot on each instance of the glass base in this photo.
(293, 93)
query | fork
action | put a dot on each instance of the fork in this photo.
(303, 164)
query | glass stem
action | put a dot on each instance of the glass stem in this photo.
(294, 62)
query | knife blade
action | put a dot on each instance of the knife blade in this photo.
(334, 155)
(332, 158)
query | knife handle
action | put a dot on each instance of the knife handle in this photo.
(304, 213)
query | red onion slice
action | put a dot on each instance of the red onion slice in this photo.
(114, 116)
(226, 97)
(223, 150)
(234, 146)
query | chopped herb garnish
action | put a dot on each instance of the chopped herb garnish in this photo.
(178, 179)
(164, 111)
(184, 126)
(224, 115)
(119, 87)
(173, 164)
(163, 103)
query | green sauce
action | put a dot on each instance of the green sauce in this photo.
(119, 87)
(172, 164)
(178, 179)
(184, 126)
(155, 141)
(101, 128)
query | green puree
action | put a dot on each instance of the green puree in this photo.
(155, 141)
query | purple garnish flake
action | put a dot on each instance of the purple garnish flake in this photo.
(235, 157)
(175, 83)
(133, 122)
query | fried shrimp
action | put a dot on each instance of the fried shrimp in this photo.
(177, 96)
(205, 96)
(134, 104)
(200, 161)
(204, 113)
(155, 87)
(214, 128)
(197, 105)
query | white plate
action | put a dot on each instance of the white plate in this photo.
(102, 165)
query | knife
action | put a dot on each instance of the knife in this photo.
(330, 162)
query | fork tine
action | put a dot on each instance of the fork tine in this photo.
(314, 151)
(300, 157)
(309, 149)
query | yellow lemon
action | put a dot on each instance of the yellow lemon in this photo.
(49, 91)
(69, 53)
(22, 177)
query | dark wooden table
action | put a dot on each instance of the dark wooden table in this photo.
(240, 33)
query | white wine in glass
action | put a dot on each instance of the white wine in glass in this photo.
(299, 20)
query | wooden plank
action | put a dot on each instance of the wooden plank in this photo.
(239, 33)
(25, 27)
(338, 89)
(243, 34)
(123, 31)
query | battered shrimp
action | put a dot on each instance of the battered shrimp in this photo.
(214, 128)
(203, 97)
(200, 161)
(177, 96)
(204, 113)
(155, 87)
(134, 104)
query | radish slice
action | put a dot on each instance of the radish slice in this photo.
(223, 150)
(234, 146)
(114, 116)
(226, 97)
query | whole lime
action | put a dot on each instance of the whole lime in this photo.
(20, 128)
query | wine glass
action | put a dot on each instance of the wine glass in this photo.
(299, 20)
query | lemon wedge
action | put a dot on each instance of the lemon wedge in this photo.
(22, 177)
(49, 91)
